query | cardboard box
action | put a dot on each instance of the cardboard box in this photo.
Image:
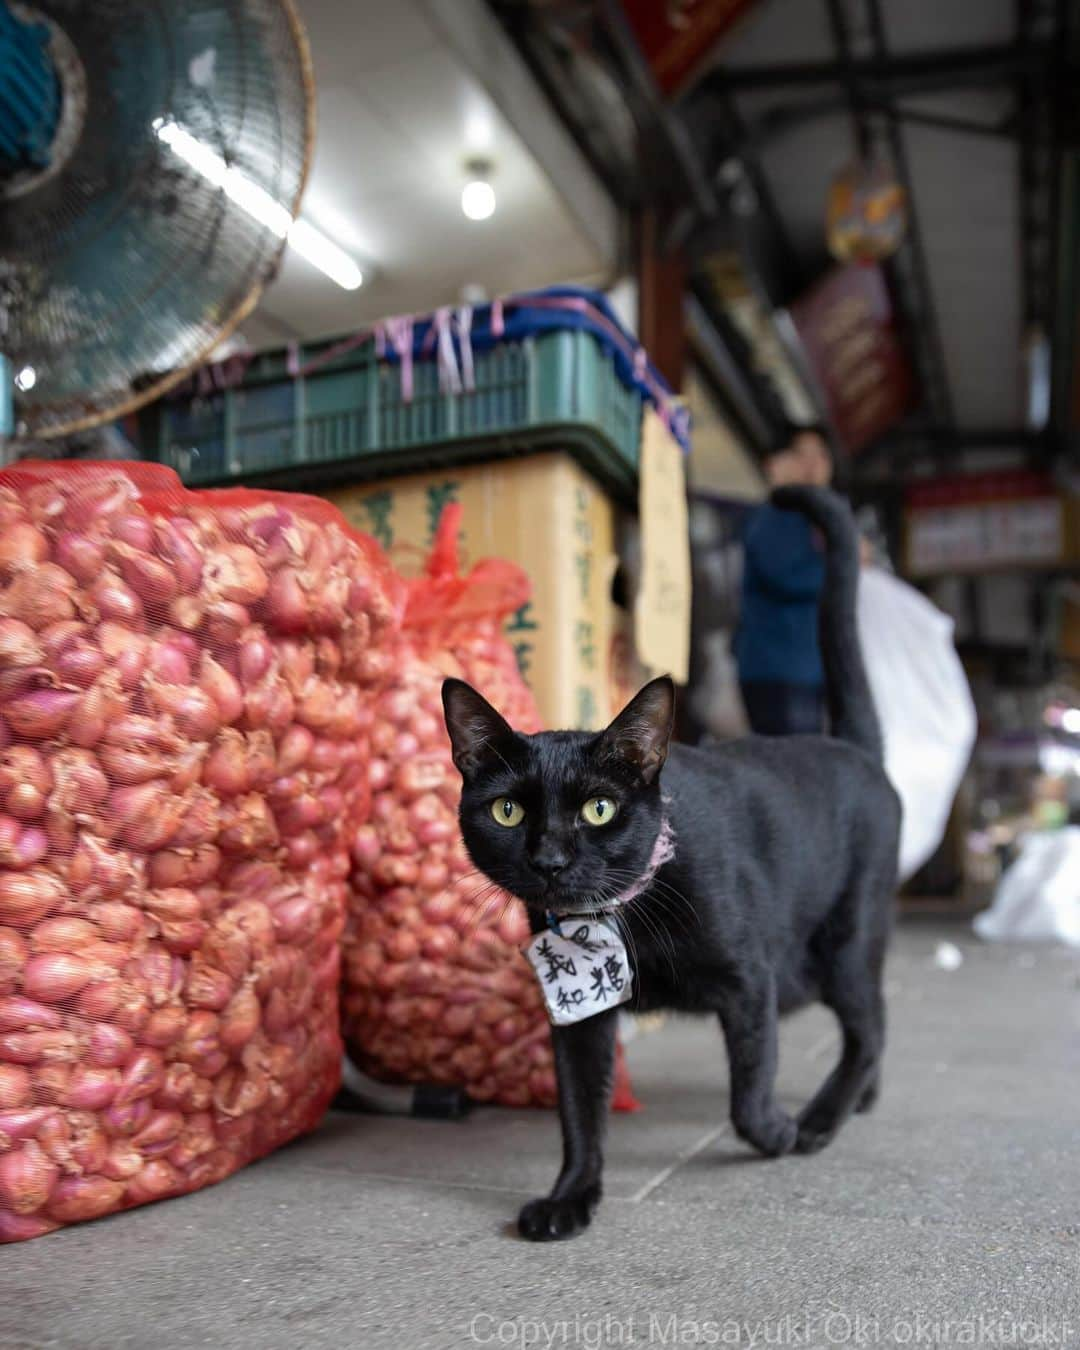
(574, 644)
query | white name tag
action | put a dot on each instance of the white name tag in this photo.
(582, 969)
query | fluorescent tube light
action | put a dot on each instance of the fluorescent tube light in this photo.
(309, 242)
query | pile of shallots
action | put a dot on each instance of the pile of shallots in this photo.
(185, 710)
(435, 988)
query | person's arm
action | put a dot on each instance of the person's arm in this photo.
(781, 553)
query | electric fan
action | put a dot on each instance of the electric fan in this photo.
(152, 158)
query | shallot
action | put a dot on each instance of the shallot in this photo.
(27, 1177)
(41, 713)
(26, 897)
(78, 1198)
(19, 644)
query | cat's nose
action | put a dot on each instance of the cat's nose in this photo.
(550, 862)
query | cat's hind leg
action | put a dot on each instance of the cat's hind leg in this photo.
(851, 987)
(871, 1092)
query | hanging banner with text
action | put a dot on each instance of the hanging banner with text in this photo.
(985, 521)
(848, 331)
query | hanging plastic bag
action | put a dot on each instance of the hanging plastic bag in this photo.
(1038, 898)
(923, 702)
(436, 987)
(185, 693)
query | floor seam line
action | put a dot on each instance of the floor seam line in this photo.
(822, 1046)
(398, 1179)
(395, 1178)
(678, 1161)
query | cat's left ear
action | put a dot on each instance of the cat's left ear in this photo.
(476, 730)
(641, 733)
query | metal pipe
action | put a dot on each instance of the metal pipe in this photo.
(928, 336)
(672, 127)
(962, 66)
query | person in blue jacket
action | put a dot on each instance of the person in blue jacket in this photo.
(776, 646)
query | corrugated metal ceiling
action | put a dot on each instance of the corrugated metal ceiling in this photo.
(965, 187)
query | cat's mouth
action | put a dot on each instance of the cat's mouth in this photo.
(551, 898)
(561, 901)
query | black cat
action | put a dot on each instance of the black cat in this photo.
(747, 879)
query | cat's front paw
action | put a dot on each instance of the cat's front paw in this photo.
(551, 1220)
(771, 1132)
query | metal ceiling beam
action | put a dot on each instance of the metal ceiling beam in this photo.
(908, 267)
(732, 380)
(775, 121)
(938, 440)
(906, 456)
(1038, 23)
(1005, 130)
(853, 88)
(910, 263)
(1066, 226)
(737, 158)
(897, 75)
(650, 106)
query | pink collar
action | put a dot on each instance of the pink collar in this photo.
(663, 851)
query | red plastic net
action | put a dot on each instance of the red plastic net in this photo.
(186, 689)
(435, 987)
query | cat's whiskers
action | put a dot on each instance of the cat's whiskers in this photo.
(626, 933)
(686, 917)
(482, 900)
(663, 938)
(472, 872)
(665, 894)
(620, 912)
(628, 939)
(506, 906)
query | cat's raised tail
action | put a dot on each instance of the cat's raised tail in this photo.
(852, 716)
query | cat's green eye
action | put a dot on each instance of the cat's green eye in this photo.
(598, 811)
(507, 811)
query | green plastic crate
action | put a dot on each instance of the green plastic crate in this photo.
(348, 418)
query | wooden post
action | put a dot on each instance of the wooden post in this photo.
(661, 283)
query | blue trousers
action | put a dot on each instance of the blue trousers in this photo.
(777, 709)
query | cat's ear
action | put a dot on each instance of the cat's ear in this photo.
(476, 730)
(642, 731)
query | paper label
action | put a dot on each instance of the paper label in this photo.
(581, 970)
(662, 609)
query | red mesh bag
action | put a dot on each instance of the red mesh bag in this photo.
(185, 703)
(435, 987)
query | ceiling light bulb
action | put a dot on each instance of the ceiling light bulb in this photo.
(26, 379)
(478, 199)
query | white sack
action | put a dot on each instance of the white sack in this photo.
(923, 702)
(1038, 897)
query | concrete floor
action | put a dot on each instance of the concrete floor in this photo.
(949, 1216)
